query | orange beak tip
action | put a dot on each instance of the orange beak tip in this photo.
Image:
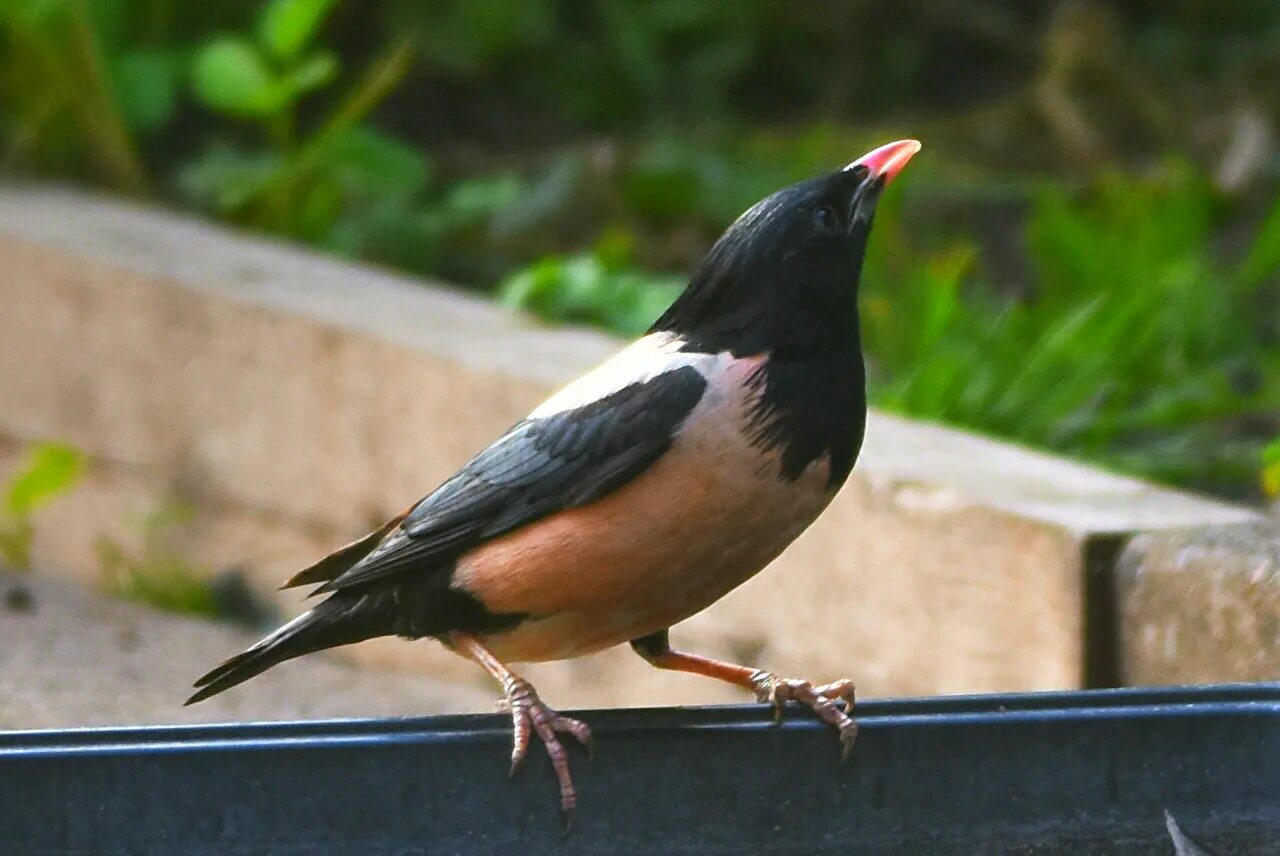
(888, 160)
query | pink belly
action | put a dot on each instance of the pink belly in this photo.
(706, 517)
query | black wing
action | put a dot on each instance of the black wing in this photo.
(541, 466)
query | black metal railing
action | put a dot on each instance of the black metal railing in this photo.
(1077, 773)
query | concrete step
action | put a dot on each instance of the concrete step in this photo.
(70, 656)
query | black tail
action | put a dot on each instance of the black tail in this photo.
(340, 620)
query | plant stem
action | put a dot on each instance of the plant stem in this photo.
(383, 76)
(113, 148)
(280, 129)
(378, 82)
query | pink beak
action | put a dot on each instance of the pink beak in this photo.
(888, 160)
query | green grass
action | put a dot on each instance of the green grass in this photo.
(155, 571)
(49, 470)
(1138, 345)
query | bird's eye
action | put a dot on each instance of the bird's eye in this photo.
(825, 219)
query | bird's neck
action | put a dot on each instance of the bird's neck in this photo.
(811, 388)
(812, 406)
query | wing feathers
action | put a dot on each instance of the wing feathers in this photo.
(343, 558)
(541, 466)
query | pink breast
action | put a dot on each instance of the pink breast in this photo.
(704, 518)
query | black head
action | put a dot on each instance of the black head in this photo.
(784, 276)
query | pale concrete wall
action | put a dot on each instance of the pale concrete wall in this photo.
(1200, 605)
(296, 400)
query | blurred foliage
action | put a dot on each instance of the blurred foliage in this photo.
(1038, 279)
(337, 178)
(264, 77)
(1137, 345)
(1073, 81)
(619, 62)
(602, 288)
(1271, 469)
(67, 99)
(155, 572)
(49, 470)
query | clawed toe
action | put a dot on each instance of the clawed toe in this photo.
(578, 730)
(833, 703)
(529, 715)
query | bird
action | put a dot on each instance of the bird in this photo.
(642, 492)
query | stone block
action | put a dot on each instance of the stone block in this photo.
(1200, 606)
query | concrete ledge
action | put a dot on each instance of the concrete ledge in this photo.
(296, 400)
(72, 658)
(1199, 604)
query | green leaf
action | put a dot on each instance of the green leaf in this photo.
(146, 87)
(316, 208)
(288, 26)
(1271, 468)
(229, 76)
(616, 248)
(475, 199)
(377, 164)
(1263, 259)
(227, 180)
(314, 72)
(51, 469)
(582, 288)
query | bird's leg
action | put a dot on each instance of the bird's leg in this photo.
(529, 715)
(825, 700)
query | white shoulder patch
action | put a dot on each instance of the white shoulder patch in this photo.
(644, 359)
